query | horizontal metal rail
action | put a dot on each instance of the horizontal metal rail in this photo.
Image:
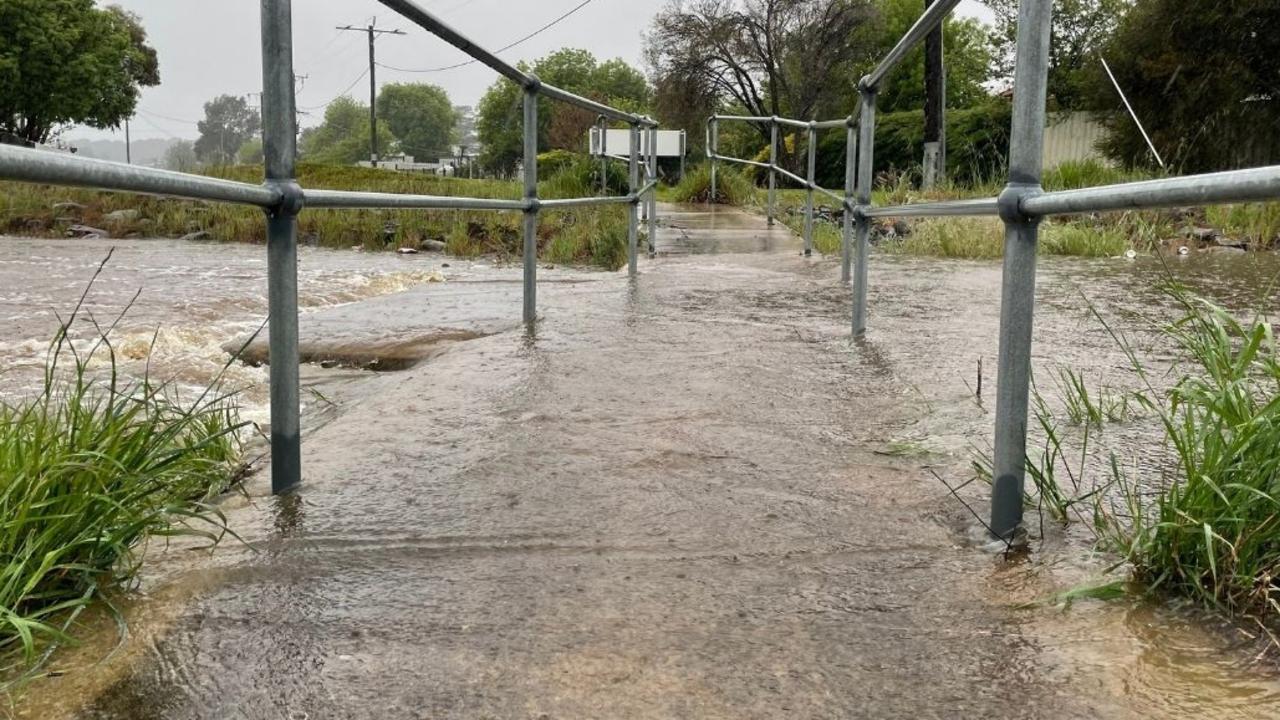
(343, 200)
(560, 204)
(951, 208)
(1211, 189)
(753, 163)
(931, 20)
(283, 199)
(43, 166)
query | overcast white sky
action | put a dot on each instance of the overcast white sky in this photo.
(211, 47)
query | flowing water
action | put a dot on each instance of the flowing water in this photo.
(684, 496)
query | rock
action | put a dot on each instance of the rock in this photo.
(1221, 250)
(1131, 255)
(85, 231)
(121, 216)
(433, 245)
(444, 265)
(902, 228)
(1227, 242)
(193, 237)
(67, 206)
(408, 251)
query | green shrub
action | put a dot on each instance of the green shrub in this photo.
(732, 186)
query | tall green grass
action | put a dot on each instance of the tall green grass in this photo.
(89, 469)
(1205, 522)
(733, 187)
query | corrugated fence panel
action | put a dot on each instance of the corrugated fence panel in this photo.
(1072, 137)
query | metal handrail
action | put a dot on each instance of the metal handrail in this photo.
(1021, 206)
(283, 200)
(808, 183)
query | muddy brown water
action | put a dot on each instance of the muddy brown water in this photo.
(685, 496)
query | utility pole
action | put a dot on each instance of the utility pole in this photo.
(935, 107)
(373, 32)
(128, 144)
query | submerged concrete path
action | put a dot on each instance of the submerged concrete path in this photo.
(688, 496)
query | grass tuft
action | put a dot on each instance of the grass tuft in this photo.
(732, 186)
(91, 468)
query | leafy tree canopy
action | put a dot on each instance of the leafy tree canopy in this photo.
(181, 156)
(228, 124)
(969, 56)
(65, 62)
(343, 137)
(1204, 78)
(1080, 29)
(500, 119)
(421, 117)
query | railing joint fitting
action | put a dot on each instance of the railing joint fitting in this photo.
(532, 205)
(292, 198)
(1010, 201)
(533, 84)
(866, 87)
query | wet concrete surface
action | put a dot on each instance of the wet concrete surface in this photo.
(682, 496)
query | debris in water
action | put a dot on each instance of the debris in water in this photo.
(408, 251)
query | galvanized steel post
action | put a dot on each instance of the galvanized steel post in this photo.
(773, 170)
(531, 197)
(715, 150)
(633, 228)
(279, 155)
(862, 227)
(603, 123)
(808, 204)
(850, 187)
(653, 192)
(1017, 303)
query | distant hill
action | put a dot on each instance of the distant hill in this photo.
(145, 152)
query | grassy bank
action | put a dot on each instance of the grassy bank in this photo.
(1252, 226)
(89, 469)
(1204, 522)
(584, 236)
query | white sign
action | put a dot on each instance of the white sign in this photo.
(671, 143)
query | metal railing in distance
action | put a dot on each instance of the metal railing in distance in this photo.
(282, 198)
(809, 183)
(1022, 206)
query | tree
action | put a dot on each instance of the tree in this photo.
(421, 117)
(1204, 78)
(1080, 29)
(764, 57)
(66, 62)
(181, 156)
(969, 56)
(228, 123)
(343, 137)
(251, 152)
(500, 120)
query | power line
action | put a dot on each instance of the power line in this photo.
(167, 117)
(339, 95)
(521, 41)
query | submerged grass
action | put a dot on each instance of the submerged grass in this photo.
(91, 468)
(45, 211)
(1204, 523)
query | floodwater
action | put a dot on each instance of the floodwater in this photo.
(685, 496)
